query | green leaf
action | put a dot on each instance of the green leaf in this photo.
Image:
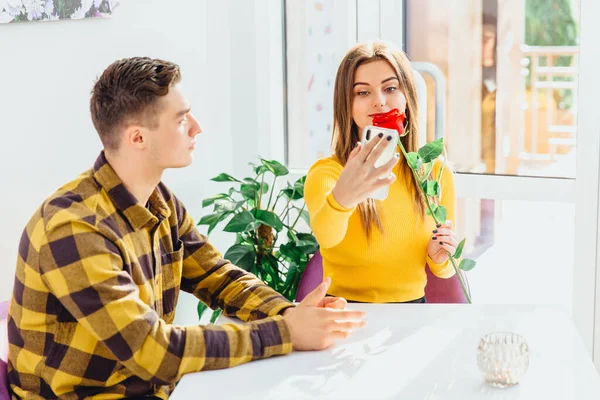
(294, 289)
(459, 249)
(413, 160)
(270, 265)
(250, 187)
(269, 218)
(272, 261)
(467, 264)
(299, 186)
(207, 202)
(431, 188)
(224, 178)
(215, 315)
(215, 223)
(210, 219)
(433, 208)
(265, 187)
(249, 190)
(241, 222)
(290, 278)
(299, 189)
(307, 243)
(292, 236)
(432, 150)
(242, 255)
(425, 173)
(228, 205)
(260, 169)
(241, 238)
(440, 214)
(291, 252)
(275, 167)
(305, 216)
(295, 191)
(213, 220)
(292, 192)
(201, 308)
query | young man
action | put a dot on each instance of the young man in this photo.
(102, 261)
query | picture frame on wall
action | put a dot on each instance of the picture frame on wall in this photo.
(12, 11)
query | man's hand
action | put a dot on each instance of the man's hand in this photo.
(328, 302)
(318, 321)
(333, 302)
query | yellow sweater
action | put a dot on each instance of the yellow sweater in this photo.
(391, 266)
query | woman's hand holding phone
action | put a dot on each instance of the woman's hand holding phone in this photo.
(366, 171)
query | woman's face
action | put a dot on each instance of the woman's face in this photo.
(376, 90)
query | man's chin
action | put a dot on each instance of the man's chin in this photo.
(182, 163)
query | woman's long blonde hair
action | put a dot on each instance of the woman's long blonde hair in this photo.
(345, 130)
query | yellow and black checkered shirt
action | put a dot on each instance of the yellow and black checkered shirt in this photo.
(97, 281)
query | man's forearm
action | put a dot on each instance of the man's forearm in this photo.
(249, 298)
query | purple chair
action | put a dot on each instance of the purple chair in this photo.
(3, 351)
(312, 276)
(437, 290)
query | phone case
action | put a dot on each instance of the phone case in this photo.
(370, 132)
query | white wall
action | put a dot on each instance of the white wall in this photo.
(47, 70)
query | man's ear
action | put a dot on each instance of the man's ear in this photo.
(135, 136)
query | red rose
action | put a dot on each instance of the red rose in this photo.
(392, 120)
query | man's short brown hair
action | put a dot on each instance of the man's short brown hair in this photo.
(128, 92)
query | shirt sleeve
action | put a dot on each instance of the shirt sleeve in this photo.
(220, 284)
(84, 270)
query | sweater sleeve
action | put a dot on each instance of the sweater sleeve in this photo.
(328, 219)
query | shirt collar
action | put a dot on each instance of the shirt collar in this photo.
(136, 214)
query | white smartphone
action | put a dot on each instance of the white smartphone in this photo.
(371, 132)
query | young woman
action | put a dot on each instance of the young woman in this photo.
(376, 251)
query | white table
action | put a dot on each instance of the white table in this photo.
(416, 351)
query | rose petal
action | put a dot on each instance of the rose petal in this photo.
(393, 119)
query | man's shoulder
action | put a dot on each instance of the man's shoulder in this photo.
(75, 201)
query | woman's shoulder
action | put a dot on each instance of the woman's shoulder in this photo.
(326, 165)
(441, 162)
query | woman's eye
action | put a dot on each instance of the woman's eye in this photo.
(362, 93)
(391, 89)
(183, 121)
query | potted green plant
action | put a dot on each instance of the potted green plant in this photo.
(268, 241)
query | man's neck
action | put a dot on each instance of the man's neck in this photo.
(136, 175)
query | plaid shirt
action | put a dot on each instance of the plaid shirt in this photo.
(97, 281)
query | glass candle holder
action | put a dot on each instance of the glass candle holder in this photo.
(503, 357)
